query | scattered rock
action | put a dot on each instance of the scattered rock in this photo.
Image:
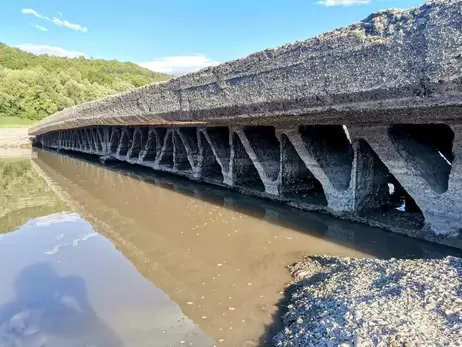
(369, 302)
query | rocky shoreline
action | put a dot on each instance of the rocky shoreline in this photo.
(370, 302)
(14, 137)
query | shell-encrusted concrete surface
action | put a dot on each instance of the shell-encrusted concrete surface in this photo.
(369, 302)
(407, 62)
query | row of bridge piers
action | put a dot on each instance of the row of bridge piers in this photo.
(403, 177)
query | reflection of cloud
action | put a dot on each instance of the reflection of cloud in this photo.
(75, 242)
(46, 307)
(70, 302)
(54, 250)
(54, 218)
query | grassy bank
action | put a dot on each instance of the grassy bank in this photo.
(15, 122)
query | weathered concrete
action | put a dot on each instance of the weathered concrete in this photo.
(406, 62)
(332, 124)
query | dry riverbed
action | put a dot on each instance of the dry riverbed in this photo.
(368, 302)
(14, 137)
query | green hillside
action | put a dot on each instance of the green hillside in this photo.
(35, 86)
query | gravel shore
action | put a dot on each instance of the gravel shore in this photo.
(14, 137)
(369, 302)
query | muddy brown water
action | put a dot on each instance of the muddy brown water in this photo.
(120, 256)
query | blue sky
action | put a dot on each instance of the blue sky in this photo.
(174, 36)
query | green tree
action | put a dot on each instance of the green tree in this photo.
(35, 86)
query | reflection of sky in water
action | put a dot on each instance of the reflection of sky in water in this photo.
(65, 285)
(54, 218)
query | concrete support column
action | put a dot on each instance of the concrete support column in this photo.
(165, 158)
(419, 157)
(263, 149)
(220, 141)
(370, 179)
(190, 141)
(105, 138)
(340, 197)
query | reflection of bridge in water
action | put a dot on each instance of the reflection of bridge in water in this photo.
(176, 233)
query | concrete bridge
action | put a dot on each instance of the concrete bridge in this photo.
(362, 123)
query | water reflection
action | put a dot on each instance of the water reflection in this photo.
(50, 310)
(24, 194)
(62, 284)
(219, 255)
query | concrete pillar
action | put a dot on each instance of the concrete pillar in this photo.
(189, 140)
(335, 176)
(244, 173)
(263, 149)
(418, 164)
(297, 183)
(209, 167)
(220, 142)
(166, 155)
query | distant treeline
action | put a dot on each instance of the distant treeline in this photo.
(35, 86)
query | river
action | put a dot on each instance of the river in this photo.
(121, 256)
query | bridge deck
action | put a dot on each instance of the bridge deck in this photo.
(405, 62)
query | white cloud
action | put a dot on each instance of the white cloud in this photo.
(179, 65)
(59, 13)
(56, 21)
(39, 27)
(330, 3)
(65, 23)
(50, 50)
(34, 13)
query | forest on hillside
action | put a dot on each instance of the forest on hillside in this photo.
(35, 86)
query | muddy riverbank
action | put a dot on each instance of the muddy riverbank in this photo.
(14, 138)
